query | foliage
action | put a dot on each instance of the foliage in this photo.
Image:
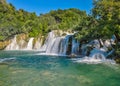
(108, 14)
(19, 21)
(102, 24)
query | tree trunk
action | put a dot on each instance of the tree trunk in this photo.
(117, 37)
(100, 43)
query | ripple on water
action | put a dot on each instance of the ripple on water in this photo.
(37, 70)
(7, 59)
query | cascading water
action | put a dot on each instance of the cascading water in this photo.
(94, 58)
(64, 45)
(30, 44)
(98, 56)
(13, 45)
(55, 44)
(38, 44)
(75, 46)
(58, 44)
(48, 43)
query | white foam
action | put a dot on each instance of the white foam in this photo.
(90, 60)
(50, 54)
(6, 59)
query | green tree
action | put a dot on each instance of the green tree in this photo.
(108, 14)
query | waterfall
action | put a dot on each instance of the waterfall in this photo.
(55, 48)
(84, 49)
(98, 56)
(75, 46)
(20, 44)
(64, 45)
(38, 44)
(55, 43)
(30, 44)
(13, 45)
(61, 46)
(48, 42)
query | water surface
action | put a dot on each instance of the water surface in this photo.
(27, 68)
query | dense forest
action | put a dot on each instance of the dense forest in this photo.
(19, 21)
(101, 24)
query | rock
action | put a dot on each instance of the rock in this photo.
(72, 55)
(117, 60)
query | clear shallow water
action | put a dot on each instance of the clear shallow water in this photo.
(23, 68)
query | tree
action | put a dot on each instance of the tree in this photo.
(108, 14)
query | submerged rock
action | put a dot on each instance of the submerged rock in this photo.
(72, 55)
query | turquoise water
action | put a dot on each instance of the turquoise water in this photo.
(24, 68)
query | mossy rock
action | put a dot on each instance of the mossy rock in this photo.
(72, 56)
(3, 44)
(22, 37)
(64, 34)
(117, 60)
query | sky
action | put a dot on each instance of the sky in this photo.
(44, 6)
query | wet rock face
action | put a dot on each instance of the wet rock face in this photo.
(55, 43)
(117, 60)
(4, 44)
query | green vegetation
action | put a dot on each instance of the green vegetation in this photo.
(103, 23)
(107, 13)
(19, 21)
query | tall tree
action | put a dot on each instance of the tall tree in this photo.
(108, 14)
